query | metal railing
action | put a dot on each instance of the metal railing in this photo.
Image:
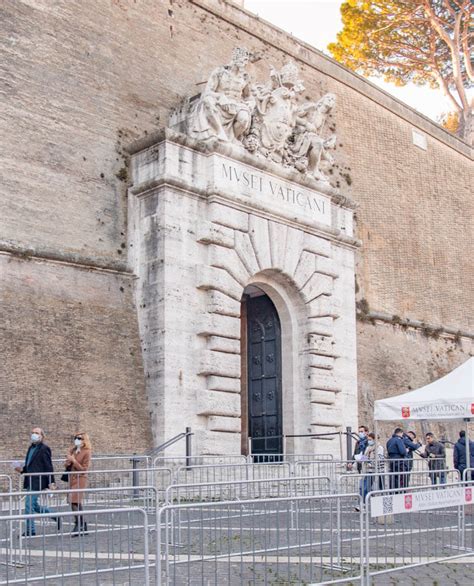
(160, 478)
(365, 483)
(110, 544)
(58, 500)
(421, 526)
(296, 540)
(230, 472)
(247, 489)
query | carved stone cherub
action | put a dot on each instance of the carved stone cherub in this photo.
(308, 150)
(224, 110)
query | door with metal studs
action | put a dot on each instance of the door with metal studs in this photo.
(264, 376)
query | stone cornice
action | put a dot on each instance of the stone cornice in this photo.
(239, 154)
(310, 56)
(74, 260)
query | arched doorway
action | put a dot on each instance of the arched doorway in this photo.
(262, 375)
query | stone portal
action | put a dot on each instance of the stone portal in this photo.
(207, 222)
(237, 198)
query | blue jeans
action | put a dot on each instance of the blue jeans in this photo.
(366, 486)
(32, 506)
(437, 477)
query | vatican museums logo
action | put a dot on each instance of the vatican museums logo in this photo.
(405, 412)
(468, 495)
(408, 502)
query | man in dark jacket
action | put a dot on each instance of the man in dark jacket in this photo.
(436, 455)
(397, 453)
(460, 456)
(37, 465)
(409, 439)
(361, 445)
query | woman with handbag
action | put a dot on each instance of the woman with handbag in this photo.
(77, 464)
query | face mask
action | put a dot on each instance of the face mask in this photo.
(371, 442)
(362, 434)
(35, 437)
(77, 442)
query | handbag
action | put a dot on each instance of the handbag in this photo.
(65, 477)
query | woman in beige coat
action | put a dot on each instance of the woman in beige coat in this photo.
(78, 460)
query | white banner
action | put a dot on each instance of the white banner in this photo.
(423, 500)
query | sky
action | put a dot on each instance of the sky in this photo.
(317, 22)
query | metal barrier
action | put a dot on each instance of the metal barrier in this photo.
(468, 474)
(365, 483)
(58, 500)
(248, 489)
(160, 478)
(333, 468)
(297, 540)
(105, 547)
(6, 483)
(421, 526)
(230, 472)
(173, 462)
(291, 458)
(98, 462)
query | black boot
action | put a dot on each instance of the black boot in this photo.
(75, 529)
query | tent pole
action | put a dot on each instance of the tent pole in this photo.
(468, 451)
(376, 450)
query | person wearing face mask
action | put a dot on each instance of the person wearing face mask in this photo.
(360, 446)
(38, 471)
(77, 464)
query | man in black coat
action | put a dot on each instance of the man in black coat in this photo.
(37, 465)
(436, 455)
(460, 455)
(397, 454)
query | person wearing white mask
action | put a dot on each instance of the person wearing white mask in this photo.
(77, 464)
(38, 471)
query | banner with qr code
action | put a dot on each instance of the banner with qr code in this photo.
(423, 500)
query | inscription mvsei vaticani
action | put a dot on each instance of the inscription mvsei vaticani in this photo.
(260, 184)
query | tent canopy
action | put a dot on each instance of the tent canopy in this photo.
(450, 397)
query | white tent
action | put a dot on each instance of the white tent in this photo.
(450, 397)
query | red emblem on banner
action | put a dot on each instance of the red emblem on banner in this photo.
(405, 412)
(472, 408)
(408, 502)
(468, 495)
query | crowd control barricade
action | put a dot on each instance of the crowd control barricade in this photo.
(248, 489)
(113, 547)
(294, 540)
(174, 462)
(58, 500)
(415, 527)
(369, 481)
(230, 472)
(160, 478)
(6, 483)
(468, 474)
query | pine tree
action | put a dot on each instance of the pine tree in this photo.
(426, 42)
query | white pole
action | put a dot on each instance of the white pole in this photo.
(468, 451)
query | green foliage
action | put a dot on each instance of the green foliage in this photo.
(426, 42)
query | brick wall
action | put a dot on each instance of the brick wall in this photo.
(70, 358)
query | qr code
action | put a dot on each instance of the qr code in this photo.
(387, 505)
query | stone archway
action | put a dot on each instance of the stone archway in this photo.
(200, 239)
